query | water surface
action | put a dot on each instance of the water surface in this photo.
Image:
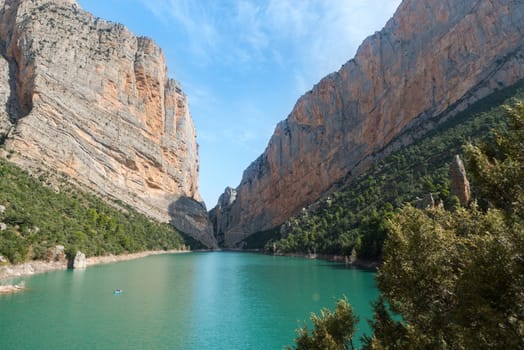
(182, 301)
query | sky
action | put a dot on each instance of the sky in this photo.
(244, 63)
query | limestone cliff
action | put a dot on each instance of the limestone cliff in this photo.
(87, 98)
(432, 60)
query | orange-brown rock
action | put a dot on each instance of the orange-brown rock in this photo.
(87, 98)
(459, 184)
(431, 61)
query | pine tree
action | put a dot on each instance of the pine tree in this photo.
(457, 277)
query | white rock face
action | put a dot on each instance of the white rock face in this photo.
(80, 262)
(5, 124)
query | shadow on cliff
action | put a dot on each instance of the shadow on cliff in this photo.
(190, 217)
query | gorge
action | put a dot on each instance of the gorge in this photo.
(410, 157)
(87, 99)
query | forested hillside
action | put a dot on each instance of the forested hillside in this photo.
(353, 219)
(37, 217)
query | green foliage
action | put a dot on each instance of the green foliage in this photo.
(259, 239)
(354, 218)
(12, 246)
(332, 330)
(39, 218)
(497, 167)
(457, 277)
(392, 334)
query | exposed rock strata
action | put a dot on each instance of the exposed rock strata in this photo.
(431, 61)
(87, 98)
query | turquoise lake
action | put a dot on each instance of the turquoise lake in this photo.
(218, 300)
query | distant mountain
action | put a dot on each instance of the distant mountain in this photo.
(431, 61)
(88, 99)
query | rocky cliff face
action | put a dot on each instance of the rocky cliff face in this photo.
(431, 61)
(87, 98)
(219, 215)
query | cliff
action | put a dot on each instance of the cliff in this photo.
(87, 98)
(431, 61)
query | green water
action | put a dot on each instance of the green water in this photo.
(185, 301)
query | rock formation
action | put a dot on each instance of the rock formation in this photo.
(87, 98)
(80, 262)
(431, 61)
(5, 123)
(3, 226)
(57, 254)
(459, 185)
(217, 215)
(426, 202)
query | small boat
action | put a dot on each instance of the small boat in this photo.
(118, 291)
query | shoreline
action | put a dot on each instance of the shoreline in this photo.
(347, 260)
(8, 272)
(37, 267)
(351, 262)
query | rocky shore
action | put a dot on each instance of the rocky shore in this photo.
(37, 267)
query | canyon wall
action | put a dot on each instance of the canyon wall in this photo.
(431, 61)
(87, 98)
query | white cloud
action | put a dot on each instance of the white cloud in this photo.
(248, 19)
(291, 19)
(316, 36)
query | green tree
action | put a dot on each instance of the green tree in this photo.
(457, 277)
(388, 333)
(332, 330)
(497, 167)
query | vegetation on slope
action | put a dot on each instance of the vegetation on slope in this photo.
(332, 330)
(457, 276)
(37, 218)
(353, 220)
(464, 289)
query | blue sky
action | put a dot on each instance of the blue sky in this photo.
(244, 63)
